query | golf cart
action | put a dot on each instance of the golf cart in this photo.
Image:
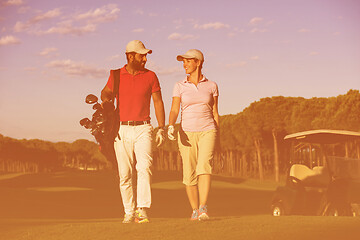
(323, 177)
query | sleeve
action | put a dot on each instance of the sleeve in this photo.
(215, 90)
(176, 90)
(155, 85)
(110, 82)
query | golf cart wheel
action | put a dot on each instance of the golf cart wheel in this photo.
(332, 211)
(343, 211)
(355, 210)
(278, 209)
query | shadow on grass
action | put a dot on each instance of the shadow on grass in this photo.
(95, 195)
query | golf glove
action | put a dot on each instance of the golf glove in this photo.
(160, 137)
(170, 133)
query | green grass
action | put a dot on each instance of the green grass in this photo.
(59, 189)
(87, 205)
(10, 175)
(245, 227)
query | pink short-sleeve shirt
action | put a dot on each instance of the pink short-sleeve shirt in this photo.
(196, 104)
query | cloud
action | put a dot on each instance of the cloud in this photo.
(8, 40)
(236, 64)
(314, 53)
(117, 56)
(13, 3)
(23, 26)
(163, 71)
(235, 31)
(214, 25)
(139, 12)
(30, 69)
(79, 24)
(181, 37)
(255, 58)
(138, 30)
(47, 51)
(73, 68)
(168, 71)
(20, 26)
(106, 13)
(178, 23)
(257, 30)
(67, 27)
(304, 30)
(255, 20)
(45, 16)
(23, 10)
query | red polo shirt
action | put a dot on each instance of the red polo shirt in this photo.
(135, 93)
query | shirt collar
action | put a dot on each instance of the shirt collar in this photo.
(204, 79)
(124, 71)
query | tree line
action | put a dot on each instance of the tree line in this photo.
(250, 144)
(251, 141)
(43, 156)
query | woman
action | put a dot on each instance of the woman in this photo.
(198, 98)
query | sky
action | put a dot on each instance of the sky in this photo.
(54, 53)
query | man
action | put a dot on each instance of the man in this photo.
(133, 144)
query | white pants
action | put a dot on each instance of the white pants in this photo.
(134, 148)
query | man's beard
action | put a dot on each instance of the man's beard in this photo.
(138, 65)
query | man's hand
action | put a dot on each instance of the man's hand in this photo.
(160, 137)
(170, 133)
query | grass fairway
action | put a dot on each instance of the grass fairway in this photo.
(87, 205)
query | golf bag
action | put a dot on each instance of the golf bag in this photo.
(105, 123)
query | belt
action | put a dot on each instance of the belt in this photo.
(134, 123)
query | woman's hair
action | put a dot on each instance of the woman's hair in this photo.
(201, 63)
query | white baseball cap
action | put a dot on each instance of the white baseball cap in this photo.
(137, 47)
(192, 53)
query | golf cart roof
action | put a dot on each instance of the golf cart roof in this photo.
(325, 136)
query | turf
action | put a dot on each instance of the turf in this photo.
(87, 205)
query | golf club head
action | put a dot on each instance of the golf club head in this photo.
(90, 125)
(91, 98)
(97, 106)
(84, 121)
(99, 120)
(97, 114)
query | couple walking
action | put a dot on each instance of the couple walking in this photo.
(196, 96)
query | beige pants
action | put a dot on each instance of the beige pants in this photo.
(196, 150)
(134, 148)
